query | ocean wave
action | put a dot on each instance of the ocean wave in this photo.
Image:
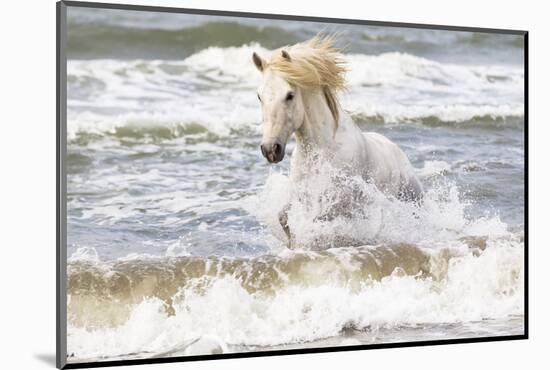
(122, 42)
(178, 249)
(210, 126)
(424, 39)
(371, 216)
(395, 67)
(154, 127)
(215, 89)
(139, 305)
(442, 116)
(133, 279)
(117, 34)
(487, 39)
(450, 270)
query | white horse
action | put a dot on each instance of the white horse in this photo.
(298, 96)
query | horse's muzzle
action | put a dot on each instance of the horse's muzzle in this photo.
(273, 152)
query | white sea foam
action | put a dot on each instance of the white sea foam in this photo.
(376, 218)
(472, 286)
(475, 288)
(215, 88)
(86, 254)
(432, 168)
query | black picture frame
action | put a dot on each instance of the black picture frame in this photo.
(61, 185)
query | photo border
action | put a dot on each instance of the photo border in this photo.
(61, 185)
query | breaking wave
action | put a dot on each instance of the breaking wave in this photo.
(417, 265)
(151, 126)
(213, 91)
(138, 306)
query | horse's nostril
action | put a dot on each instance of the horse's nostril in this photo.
(277, 149)
(262, 148)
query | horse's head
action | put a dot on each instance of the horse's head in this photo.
(291, 77)
(282, 109)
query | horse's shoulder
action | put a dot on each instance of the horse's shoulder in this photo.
(379, 139)
(375, 136)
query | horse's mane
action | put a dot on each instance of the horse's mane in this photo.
(315, 63)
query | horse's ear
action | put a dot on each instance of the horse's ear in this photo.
(258, 62)
(285, 55)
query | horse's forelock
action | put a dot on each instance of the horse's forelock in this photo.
(314, 64)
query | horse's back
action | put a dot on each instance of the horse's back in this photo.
(390, 168)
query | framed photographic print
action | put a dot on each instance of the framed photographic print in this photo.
(236, 184)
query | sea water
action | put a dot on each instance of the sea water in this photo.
(173, 239)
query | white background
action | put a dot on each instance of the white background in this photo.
(27, 167)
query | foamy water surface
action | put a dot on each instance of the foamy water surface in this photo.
(174, 243)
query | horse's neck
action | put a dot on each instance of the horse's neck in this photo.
(314, 139)
(316, 134)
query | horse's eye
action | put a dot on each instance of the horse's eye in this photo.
(289, 96)
(260, 99)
